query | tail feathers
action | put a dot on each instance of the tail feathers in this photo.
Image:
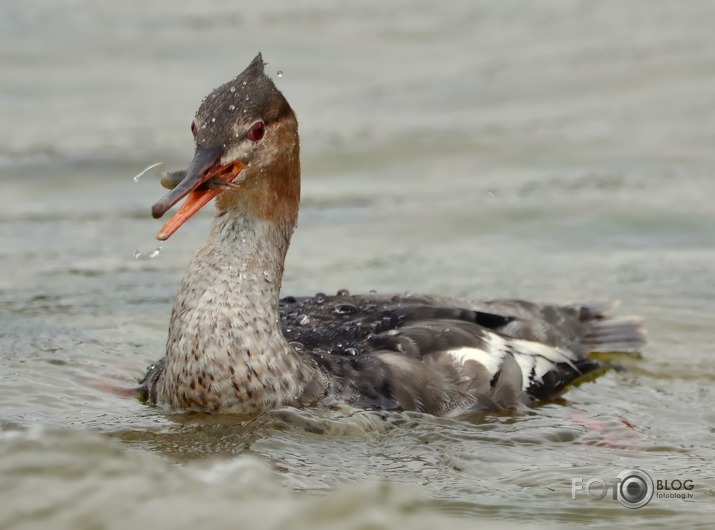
(594, 310)
(615, 334)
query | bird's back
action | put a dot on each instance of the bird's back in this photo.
(440, 355)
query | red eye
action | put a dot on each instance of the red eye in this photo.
(256, 131)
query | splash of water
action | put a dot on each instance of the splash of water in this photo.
(138, 254)
(140, 175)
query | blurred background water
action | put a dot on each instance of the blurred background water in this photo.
(547, 150)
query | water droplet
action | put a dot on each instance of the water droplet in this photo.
(203, 126)
(280, 73)
(244, 83)
(320, 298)
(343, 292)
(345, 309)
(138, 254)
(304, 319)
(372, 291)
(143, 171)
(233, 88)
(267, 276)
(213, 120)
(232, 107)
(352, 351)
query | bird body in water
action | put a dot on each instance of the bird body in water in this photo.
(235, 346)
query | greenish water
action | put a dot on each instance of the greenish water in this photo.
(549, 151)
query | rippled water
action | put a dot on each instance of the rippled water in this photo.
(547, 150)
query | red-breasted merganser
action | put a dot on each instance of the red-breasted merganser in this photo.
(233, 346)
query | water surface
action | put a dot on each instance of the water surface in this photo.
(551, 151)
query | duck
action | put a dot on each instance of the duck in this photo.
(236, 346)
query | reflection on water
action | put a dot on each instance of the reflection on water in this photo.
(544, 150)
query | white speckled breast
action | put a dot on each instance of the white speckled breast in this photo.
(225, 350)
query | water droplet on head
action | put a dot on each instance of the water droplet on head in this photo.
(232, 107)
(233, 88)
(213, 120)
(280, 73)
(244, 83)
(304, 319)
(320, 298)
(203, 126)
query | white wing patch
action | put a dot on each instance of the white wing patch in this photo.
(491, 357)
(534, 359)
(555, 355)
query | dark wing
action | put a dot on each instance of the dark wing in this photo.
(438, 355)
